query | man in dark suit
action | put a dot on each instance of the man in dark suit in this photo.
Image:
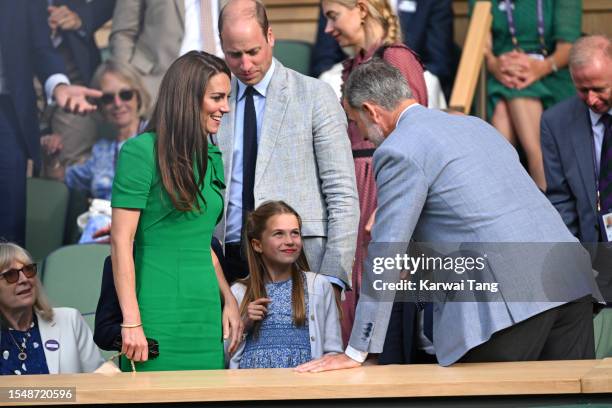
(427, 28)
(573, 137)
(25, 49)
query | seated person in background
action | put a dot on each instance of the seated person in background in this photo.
(73, 24)
(427, 28)
(527, 61)
(290, 314)
(123, 106)
(31, 330)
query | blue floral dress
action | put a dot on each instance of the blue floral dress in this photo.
(279, 344)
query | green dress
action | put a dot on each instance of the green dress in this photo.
(176, 286)
(562, 22)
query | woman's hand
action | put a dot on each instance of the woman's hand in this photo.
(232, 324)
(134, 344)
(503, 70)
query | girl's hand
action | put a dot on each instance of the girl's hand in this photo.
(232, 324)
(257, 309)
(134, 344)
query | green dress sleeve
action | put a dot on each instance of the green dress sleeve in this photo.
(567, 20)
(134, 172)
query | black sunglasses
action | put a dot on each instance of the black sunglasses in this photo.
(125, 95)
(12, 275)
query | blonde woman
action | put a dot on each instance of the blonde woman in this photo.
(34, 338)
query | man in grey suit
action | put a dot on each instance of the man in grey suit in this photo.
(284, 139)
(453, 179)
(151, 34)
(572, 136)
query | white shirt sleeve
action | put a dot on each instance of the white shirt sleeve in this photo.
(53, 81)
(359, 356)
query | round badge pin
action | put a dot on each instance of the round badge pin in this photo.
(52, 345)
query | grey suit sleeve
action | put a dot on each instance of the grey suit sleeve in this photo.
(126, 28)
(557, 188)
(337, 179)
(402, 192)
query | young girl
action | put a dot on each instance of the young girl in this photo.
(290, 315)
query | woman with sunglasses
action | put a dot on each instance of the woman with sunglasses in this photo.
(35, 338)
(167, 199)
(123, 106)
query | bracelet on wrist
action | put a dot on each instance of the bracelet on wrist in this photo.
(553, 65)
(130, 325)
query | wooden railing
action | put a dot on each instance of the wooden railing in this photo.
(471, 70)
(545, 379)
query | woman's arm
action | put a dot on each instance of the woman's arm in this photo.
(232, 323)
(124, 224)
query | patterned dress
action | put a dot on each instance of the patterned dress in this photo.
(404, 59)
(12, 342)
(279, 343)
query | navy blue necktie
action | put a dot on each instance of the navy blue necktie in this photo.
(605, 167)
(249, 152)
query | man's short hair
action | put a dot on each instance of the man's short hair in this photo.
(258, 12)
(589, 47)
(378, 82)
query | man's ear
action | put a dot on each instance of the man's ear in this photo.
(270, 37)
(370, 110)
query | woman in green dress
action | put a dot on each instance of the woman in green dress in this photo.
(527, 60)
(166, 202)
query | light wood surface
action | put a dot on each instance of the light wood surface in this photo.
(599, 379)
(524, 378)
(472, 58)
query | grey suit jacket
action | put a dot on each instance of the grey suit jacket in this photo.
(567, 148)
(304, 158)
(454, 179)
(148, 35)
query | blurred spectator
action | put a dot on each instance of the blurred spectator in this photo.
(427, 28)
(151, 34)
(123, 104)
(362, 25)
(527, 59)
(30, 328)
(25, 48)
(73, 24)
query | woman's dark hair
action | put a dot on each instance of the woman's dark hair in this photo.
(182, 144)
(256, 224)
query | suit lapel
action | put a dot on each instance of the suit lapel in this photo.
(274, 112)
(180, 7)
(581, 136)
(50, 331)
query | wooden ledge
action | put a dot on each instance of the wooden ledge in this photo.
(524, 378)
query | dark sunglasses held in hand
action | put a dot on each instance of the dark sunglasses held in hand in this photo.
(12, 275)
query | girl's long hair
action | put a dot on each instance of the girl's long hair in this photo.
(255, 283)
(182, 145)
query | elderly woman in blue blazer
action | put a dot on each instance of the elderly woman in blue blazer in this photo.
(35, 338)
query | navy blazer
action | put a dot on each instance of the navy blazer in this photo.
(27, 50)
(567, 149)
(93, 15)
(428, 31)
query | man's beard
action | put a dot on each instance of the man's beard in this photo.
(375, 134)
